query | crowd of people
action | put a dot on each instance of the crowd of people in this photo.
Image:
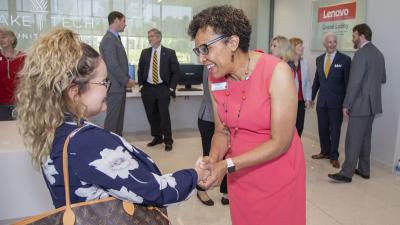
(250, 121)
(346, 88)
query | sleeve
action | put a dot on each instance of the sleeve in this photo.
(307, 80)
(357, 73)
(347, 71)
(315, 85)
(141, 67)
(384, 71)
(127, 173)
(175, 71)
(110, 56)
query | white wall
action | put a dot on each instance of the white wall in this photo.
(293, 18)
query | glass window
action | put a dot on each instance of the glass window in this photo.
(30, 18)
(3, 5)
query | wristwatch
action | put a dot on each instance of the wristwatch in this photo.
(230, 165)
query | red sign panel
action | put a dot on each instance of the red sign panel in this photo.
(337, 12)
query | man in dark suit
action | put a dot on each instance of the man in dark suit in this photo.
(331, 77)
(114, 56)
(362, 102)
(158, 74)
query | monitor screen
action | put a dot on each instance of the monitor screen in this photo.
(131, 71)
(191, 74)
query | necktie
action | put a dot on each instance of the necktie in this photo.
(155, 68)
(327, 65)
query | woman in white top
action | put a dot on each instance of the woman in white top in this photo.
(302, 79)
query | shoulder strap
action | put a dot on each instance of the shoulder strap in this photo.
(69, 216)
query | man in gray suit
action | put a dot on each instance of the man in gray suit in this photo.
(362, 102)
(114, 56)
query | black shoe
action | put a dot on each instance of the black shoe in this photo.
(168, 147)
(340, 178)
(155, 141)
(361, 175)
(209, 202)
(224, 201)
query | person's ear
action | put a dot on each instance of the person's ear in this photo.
(362, 37)
(73, 92)
(233, 42)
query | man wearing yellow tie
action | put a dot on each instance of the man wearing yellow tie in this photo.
(331, 77)
(158, 74)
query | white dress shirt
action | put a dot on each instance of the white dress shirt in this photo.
(150, 73)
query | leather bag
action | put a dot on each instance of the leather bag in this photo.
(103, 211)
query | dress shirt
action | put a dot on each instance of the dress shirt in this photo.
(150, 72)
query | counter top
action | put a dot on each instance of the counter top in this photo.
(10, 140)
(135, 92)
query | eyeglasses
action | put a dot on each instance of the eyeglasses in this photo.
(106, 83)
(203, 49)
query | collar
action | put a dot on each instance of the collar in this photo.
(157, 49)
(331, 54)
(69, 118)
(116, 34)
(364, 44)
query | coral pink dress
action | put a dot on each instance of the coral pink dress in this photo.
(272, 192)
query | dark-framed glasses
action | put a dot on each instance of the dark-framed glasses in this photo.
(203, 49)
(106, 83)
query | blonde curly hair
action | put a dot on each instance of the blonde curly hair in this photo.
(55, 62)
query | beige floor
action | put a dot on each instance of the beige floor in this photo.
(362, 202)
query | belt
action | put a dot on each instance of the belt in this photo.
(154, 85)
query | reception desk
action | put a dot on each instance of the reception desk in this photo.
(183, 111)
(23, 191)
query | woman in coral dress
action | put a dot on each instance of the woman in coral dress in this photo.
(255, 104)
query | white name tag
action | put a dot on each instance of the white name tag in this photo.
(219, 86)
(338, 65)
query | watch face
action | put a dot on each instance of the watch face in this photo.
(231, 169)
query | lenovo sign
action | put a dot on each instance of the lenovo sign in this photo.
(337, 12)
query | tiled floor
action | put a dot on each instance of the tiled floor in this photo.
(362, 202)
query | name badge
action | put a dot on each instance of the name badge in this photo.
(219, 86)
(338, 65)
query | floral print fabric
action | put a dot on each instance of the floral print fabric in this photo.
(103, 164)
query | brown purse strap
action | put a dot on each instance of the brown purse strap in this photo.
(69, 216)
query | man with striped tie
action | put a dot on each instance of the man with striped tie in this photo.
(158, 74)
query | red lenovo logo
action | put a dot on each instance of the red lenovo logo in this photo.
(337, 12)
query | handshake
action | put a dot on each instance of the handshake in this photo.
(210, 172)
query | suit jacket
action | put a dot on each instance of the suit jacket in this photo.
(114, 56)
(206, 110)
(332, 89)
(367, 74)
(169, 66)
(305, 78)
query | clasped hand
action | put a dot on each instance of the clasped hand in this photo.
(210, 172)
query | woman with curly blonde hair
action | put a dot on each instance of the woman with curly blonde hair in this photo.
(63, 83)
